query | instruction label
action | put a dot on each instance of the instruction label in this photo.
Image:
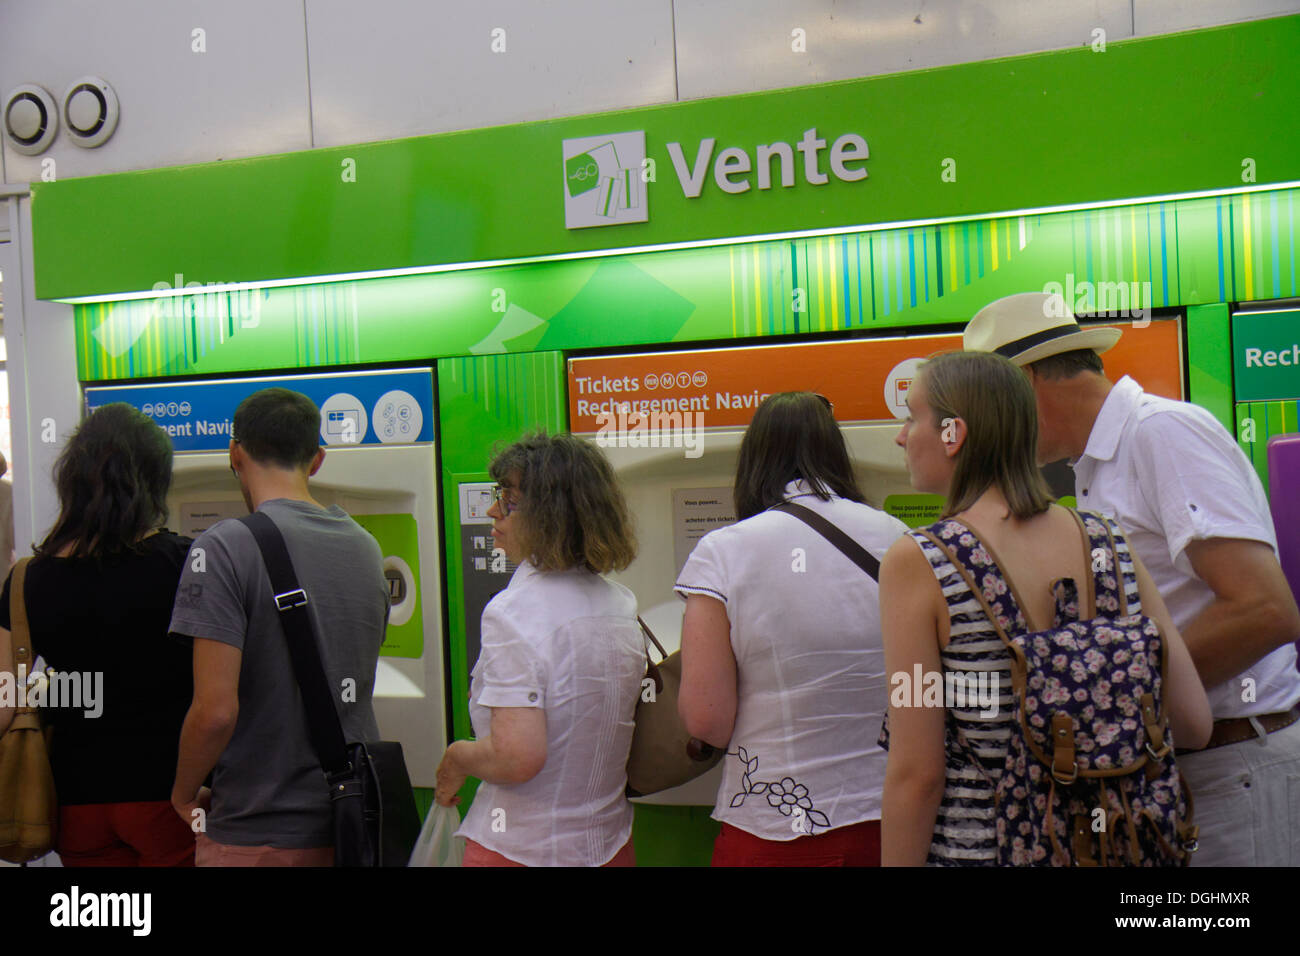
(696, 512)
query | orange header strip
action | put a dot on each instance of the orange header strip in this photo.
(865, 379)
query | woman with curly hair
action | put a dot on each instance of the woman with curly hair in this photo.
(554, 692)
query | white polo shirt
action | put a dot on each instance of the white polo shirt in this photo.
(1170, 474)
(567, 642)
(811, 690)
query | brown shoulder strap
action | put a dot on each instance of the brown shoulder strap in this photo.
(1019, 666)
(645, 629)
(20, 636)
(1089, 610)
(651, 668)
(999, 569)
(971, 586)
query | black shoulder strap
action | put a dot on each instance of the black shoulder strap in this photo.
(852, 550)
(291, 601)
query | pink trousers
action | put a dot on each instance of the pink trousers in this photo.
(478, 855)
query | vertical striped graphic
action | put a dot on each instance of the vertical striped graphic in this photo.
(518, 392)
(1257, 248)
(1260, 421)
(1236, 248)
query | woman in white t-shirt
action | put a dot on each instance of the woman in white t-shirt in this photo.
(782, 661)
(554, 692)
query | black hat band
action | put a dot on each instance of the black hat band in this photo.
(1014, 348)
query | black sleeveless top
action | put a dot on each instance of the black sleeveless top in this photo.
(106, 620)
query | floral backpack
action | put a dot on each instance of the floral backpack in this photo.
(1090, 778)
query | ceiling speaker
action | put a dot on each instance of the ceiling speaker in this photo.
(90, 112)
(31, 119)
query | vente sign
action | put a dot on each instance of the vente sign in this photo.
(605, 176)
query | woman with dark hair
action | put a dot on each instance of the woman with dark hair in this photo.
(554, 691)
(971, 436)
(781, 657)
(99, 594)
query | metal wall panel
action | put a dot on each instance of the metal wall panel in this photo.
(245, 96)
(411, 69)
(735, 46)
(1169, 16)
(394, 68)
(44, 397)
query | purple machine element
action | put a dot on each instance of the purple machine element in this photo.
(1284, 496)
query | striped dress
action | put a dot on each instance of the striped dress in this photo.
(975, 742)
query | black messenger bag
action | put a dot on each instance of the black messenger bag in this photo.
(375, 819)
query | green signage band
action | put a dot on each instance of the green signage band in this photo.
(1128, 259)
(1153, 117)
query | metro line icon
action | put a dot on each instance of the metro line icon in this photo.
(602, 180)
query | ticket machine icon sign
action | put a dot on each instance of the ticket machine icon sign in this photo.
(898, 383)
(342, 420)
(343, 423)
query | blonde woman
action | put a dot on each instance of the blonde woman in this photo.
(971, 436)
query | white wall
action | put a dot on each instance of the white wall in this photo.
(283, 75)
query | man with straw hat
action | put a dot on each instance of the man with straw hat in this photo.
(1196, 514)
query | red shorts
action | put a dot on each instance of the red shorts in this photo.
(476, 854)
(855, 845)
(124, 834)
(212, 853)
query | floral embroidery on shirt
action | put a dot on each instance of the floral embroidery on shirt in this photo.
(784, 795)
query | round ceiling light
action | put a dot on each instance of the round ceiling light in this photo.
(31, 119)
(90, 111)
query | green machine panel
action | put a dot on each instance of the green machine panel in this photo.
(399, 543)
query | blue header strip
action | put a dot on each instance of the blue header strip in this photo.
(362, 408)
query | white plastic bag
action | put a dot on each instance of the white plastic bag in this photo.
(438, 845)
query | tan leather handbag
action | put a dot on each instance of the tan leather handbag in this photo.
(663, 754)
(29, 809)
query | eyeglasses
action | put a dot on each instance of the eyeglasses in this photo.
(826, 401)
(507, 506)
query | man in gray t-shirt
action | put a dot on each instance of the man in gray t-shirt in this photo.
(269, 802)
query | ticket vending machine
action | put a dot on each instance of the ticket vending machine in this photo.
(381, 468)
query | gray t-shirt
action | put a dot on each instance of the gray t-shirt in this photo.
(268, 787)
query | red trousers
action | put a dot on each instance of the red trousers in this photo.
(124, 834)
(855, 845)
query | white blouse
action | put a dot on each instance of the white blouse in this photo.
(567, 642)
(805, 630)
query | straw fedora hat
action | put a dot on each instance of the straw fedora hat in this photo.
(1028, 326)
